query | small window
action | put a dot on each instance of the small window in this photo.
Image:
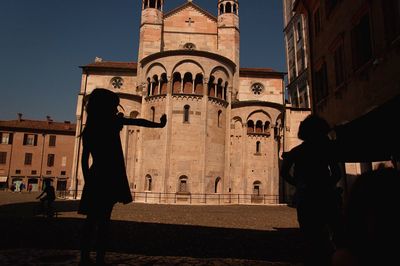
(48, 172)
(33, 172)
(3, 157)
(321, 83)
(64, 161)
(257, 88)
(258, 147)
(189, 46)
(17, 172)
(183, 187)
(63, 172)
(339, 65)
(256, 188)
(30, 140)
(117, 82)
(299, 31)
(217, 187)
(219, 118)
(28, 159)
(153, 114)
(52, 141)
(186, 112)
(50, 160)
(6, 138)
(149, 181)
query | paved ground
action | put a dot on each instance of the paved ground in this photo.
(144, 234)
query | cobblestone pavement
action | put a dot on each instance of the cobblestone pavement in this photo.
(152, 234)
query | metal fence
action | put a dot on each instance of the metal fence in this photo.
(189, 198)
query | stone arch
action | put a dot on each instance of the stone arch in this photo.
(221, 9)
(228, 8)
(134, 114)
(188, 66)
(188, 83)
(219, 88)
(154, 85)
(148, 87)
(155, 69)
(267, 126)
(164, 83)
(211, 86)
(235, 9)
(259, 126)
(198, 84)
(220, 72)
(250, 126)
(218, 185)
(176, 83)
(152, 4)
(257, 113)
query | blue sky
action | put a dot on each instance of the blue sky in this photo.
(43, 43)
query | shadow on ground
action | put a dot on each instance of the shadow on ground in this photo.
(151, 239)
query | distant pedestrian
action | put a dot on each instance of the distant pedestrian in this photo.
(105, 179)
(13, 187)
(21, 187)
(311, 169)
(29, 188)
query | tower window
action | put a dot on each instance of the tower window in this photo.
(153, 113)
(148, 183)
(219, 118)
(186, 114)
(256, 188)
(258, 147)
(183, 184)
(189, 46)
(228, 8)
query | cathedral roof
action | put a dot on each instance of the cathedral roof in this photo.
(187, 4)
(38, 126)
(109, 65)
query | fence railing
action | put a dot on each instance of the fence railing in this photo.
(189, 198)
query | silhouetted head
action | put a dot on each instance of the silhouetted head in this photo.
(313, 128)
(102, 102)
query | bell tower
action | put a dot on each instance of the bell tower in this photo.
(228, 29)
(151, 28)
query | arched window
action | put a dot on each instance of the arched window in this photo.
(258, 147)
(259, 127)
(117, 82)
(219, 118)
(148, 185)
(153, 113)
(133, 114)
(189, 46)
(228, 8)
(146, 4)
(176, 83)
(219, 88)
(152, 3)
(164, 84)
(148, 87)
(266, 126)
(256, 188)
(198, 84)
(188, 83)
(155, 85)
(235, 9)
(186, 111)
(250, 126)
(221, 9)
(183, 184)
(211, 87)
(225, 90)
(159, 4)
(217, 186)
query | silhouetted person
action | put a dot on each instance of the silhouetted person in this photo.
(46, 202)
(371, 221)
(311, 169)
(106, 182)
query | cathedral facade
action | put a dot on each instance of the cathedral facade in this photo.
(223, 136)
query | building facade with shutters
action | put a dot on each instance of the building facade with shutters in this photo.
(223, 135)
(33, 151)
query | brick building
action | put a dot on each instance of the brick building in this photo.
(32, 151)
(354, 54)
(223, 135)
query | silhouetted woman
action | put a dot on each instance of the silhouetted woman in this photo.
(310, 167)
(106, 182)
